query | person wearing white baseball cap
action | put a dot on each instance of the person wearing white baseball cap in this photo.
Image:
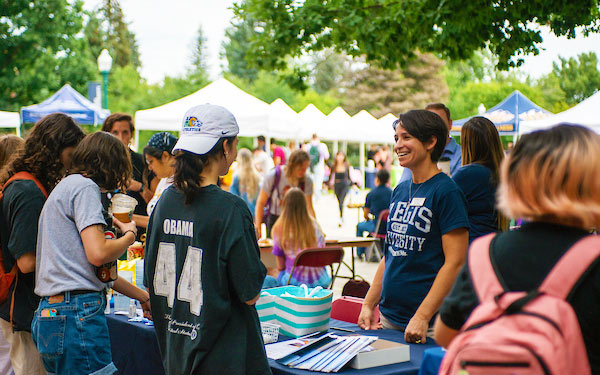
(202, 263)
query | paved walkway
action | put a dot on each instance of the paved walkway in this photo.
(326, 209)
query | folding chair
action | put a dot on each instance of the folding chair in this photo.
(347, 309)
(379, 233)
(319, 257)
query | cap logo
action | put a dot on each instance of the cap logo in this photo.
(192, 124)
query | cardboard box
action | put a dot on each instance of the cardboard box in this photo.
(385, 353)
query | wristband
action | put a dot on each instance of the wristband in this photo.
(132, 231)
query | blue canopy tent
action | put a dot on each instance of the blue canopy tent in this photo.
(67, 101)
(508, 114)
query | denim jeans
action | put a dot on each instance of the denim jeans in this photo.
(76, 339)
(364, 226)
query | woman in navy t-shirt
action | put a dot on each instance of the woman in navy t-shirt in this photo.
(478, 177)
(427, 233)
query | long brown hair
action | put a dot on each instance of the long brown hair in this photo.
(102, 157)
(189, 166)
(41, 153)
(295, 228)
(480, 144)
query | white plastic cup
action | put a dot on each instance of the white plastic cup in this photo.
(122, 207)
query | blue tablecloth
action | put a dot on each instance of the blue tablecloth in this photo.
(134, 347)
(404, 368)
(432, 359)
(135, 350)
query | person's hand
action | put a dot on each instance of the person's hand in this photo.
(416, 330)
(146, 309)
(134, 185)
(258, 230)
(124, 227)
(366, 320)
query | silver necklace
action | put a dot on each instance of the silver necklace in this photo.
(410, 196)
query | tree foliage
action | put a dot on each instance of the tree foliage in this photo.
(382, 91)
(387, 32)
(235, 49)
(578, 78)
(41, 50)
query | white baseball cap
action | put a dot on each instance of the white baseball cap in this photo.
(203, 126)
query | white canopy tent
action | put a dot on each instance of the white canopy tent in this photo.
(251, 113)
(584, 113)
(283, 121)
(310, 121)
(10, 120)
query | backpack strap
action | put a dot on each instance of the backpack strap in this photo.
(571, 266)
(26, 176)
(484, 278)
(22, 175)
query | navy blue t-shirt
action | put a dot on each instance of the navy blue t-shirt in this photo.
(475, 181)
(378, 200)
(413, 244)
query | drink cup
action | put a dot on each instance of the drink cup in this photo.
(122, 207)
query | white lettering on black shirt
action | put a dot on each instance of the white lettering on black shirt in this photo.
(178, 227)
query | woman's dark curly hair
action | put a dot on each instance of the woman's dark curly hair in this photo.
(188, 167)
(41, 153)
(102, 157)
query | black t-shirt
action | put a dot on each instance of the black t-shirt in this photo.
(202, 263)
(22, 204)
(138, 164)
(523, 258)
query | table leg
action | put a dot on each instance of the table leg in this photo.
(353, 272)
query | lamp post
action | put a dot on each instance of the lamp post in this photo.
(104, 65)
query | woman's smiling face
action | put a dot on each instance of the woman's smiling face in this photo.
(410, 150)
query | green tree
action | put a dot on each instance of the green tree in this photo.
(199, 54)
(329, 69)
(235, 48)
(42, 49)
(107, 28)
(382, 91)
(387, 32)
(578, 78)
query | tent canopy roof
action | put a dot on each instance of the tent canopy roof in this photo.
(584, 113)
(68, 101)
(9, 119)
(508, 114)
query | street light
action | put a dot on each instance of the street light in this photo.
(104, 65)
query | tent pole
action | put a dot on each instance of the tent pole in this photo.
(345, 147)
(335, 147)
(361, 152)
(137, 140)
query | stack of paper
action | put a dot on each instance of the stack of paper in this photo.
(326, 354)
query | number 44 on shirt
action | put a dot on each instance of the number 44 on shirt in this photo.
(189, 288)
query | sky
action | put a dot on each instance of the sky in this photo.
(166, 34)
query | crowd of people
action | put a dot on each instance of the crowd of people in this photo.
(202, 261)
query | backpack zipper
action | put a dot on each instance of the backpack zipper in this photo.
(464, 364)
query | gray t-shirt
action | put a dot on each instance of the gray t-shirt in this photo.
(283, 186)
(61, 263)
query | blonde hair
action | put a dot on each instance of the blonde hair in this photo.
(553, 175)
(295, 228)
(10, 145)
(249, 178)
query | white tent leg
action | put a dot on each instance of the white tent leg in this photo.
(335, 147)
(345, 147)
(361, 152)
(136, 142)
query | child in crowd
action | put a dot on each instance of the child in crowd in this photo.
(202, 262)
(69, 327)
(294, 231)
(377, 200)
(46, 156)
